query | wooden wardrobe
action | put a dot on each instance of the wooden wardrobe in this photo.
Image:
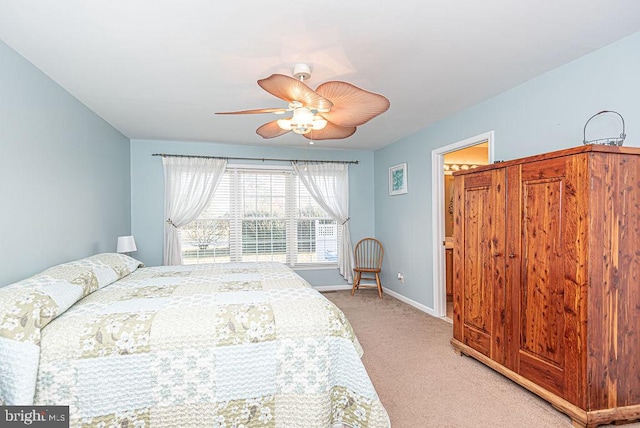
(547, 277)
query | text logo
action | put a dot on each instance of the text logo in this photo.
(34, 416)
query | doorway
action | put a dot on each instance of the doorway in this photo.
(465, 154)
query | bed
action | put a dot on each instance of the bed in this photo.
(225, 345)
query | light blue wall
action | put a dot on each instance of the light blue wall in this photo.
(66, 188)
(545, 114)
(147, 191)
(64, 174)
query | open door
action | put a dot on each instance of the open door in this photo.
(446, 160)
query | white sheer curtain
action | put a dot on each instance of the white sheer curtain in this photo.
(189, 185)
(328, 184)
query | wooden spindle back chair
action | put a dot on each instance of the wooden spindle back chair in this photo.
(368, 261)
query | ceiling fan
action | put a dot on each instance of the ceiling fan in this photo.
(331, 112)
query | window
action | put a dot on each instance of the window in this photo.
(261, 215)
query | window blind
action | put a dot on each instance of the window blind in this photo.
(261, 215)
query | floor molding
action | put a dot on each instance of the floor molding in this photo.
(392, 293)
(413, 303)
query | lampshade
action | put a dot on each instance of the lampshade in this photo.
(319, 122)
(285, 124)
(126, 244)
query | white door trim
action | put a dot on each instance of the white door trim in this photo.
(437, 215)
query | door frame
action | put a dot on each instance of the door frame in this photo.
(437, 214)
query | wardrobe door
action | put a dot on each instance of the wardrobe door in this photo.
(479, 298)
(543, 290)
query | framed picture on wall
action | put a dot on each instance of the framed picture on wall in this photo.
(398, 179)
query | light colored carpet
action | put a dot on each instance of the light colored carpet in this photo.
(423, 383)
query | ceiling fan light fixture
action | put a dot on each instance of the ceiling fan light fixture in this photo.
(303, 121)
(302, 116)
(285, 124)
(319, 122)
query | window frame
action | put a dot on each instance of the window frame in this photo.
(291, 216)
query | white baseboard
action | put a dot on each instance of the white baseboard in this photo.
(332, 287)
(398, 296)
(408, 301)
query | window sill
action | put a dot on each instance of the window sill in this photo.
(315, 266)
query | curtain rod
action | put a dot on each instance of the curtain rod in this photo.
(258, 159)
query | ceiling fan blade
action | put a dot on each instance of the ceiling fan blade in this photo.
(290, 89)
(256, 111)
(331, 132)
(352, 106)
(271, 130)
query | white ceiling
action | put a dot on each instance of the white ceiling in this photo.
(160, 69)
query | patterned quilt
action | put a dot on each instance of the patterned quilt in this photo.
(222, 345)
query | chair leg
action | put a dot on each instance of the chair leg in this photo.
(356, 282)
(379, 285)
